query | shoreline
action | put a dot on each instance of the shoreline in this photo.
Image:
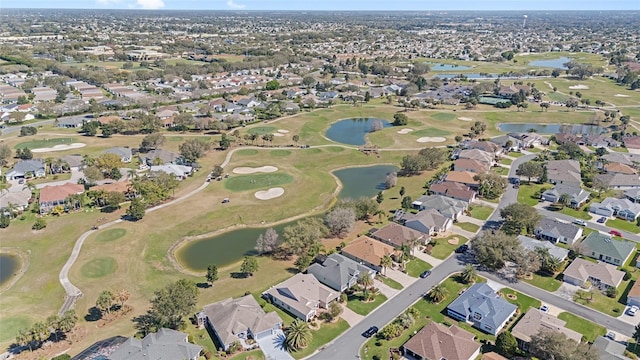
(25, 258)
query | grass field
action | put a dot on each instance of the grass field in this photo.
(443, 249)
(390, 282)
(322, 336)
(415, 267)
(99, 267)
(111, 235)
(257, 181)
(585, 327)
(34, 144)
(601, 302)
(527, 193)
(358, 306)
(261, 130)
(523, 301)
(481, 212)
(623, 225)
(468, 226)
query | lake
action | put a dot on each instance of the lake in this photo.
(232, 246)
(551, 128)
(447, 67)
(352, 131)
(9, 264)
(552, 63)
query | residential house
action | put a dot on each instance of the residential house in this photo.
(161, 157)
(481, 306)
(438, 341)
(428, 221)
(453, 190)
(633, 195)
(599, 140)
(619, 168)
(52, 196)
(27, 169)
(599, 274)
(479, 155)
(339, 272)
(535, 321)
(463, 177)
(631, 142)
(528, 140)
(123, 152)
(602, 247)
(621, 208)
(14, 201)
(531, 244)
(624, 158)
(504, 140)
(123, 187)
(633, 297)
(446, 206)
(72, 122)
(487, 146)
(562, 138)
(302, 295)
(240, 319)
(493, 356)
(564, 172)
(609, 349)
(181, 172)
(471, 165)
(398, 235)
(578, 195)
(75, 162)
(165, 344)
(554, 230)
(618, 181)
(367, 251)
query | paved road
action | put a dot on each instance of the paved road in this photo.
(14, 128)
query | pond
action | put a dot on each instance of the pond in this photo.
(232, 246)
(353, 131)
(447, 67)
(551, 128)
(552, 63)
(9, 264)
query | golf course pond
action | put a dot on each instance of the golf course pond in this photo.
(447, 67)
(552, 63)
(230, 247)
(9, 265)
(353, 131)
(550, 128)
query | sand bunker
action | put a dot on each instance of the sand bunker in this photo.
(427, 139)
(251, 170)
(278, 134)
(269, 194)
(404, 131)
(283, 131)
(61, 147)
(578, 87)
(463, 118)
(621, 95)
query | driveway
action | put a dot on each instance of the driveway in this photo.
(386, 290)
(75, 176)
(351, 317)
(273, 347)
(404, 279)
(566, 291)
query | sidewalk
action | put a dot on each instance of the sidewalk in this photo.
(469, 219)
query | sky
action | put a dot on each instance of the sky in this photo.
(423, 5)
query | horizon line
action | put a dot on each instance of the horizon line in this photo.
(327, 10)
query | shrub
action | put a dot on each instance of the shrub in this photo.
(612, 292)
(39, 224)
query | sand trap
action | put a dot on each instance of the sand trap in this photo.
(404, 131)
(427, 139)
(621, 95)
(60, 147)
(278, 134)
(269, 194)
(283, 131)
(579, 87)
(250, 170)
(463, 118)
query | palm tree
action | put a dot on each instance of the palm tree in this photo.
(298, 335)
(366, 281)
(122, 296)
(295, 139)
(564, 199)
(438, 293)
(53, 322)
(636, 337)
(105, 301)
(413, 243)
(386, 263)
(39, 332)
(23, 338)
(68, 321)
(468, 275)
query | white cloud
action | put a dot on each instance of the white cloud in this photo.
(150, 4)
(233, 5)
(108, 2)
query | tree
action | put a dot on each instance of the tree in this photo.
(432, 158)
(68, 321)
(549, 344)
(107, 162)
(225, 142)
(478, 128)
(39, 332)
(379, 197)
(122, 296)
(90, 128)
(39, 224)
(298, 335)
(386, 262)
(411, 164)
(400, 119)
(92, 174)
(340, 221)
(493, 249)
(105, 301)
(249, 266)
(24, 154)
(491, 185)
(636, 336)
(267, 242)
(518, 217)
(212, 273)
(136, 209)
(193, 149)
(23, 338)
(53, 323)
(5, 154)
(366, 281)
(407, 202)
(5, 220)
(302, 262)
(295, 139)
(152, 142)
(507, 344)
(170, 306)
(272, 85)
(402, 191)
(391, 180)
(564, 199)
(530, 169)
(468, 275)
(438, 293)
(309, 81)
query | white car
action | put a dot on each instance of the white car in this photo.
(580, 222)
(544, 308)
(632, 310)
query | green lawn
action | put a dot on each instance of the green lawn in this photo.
(322, 336)
(548, 283)
(99, 267)
(10, 326)
(481, 212)
(580, 214)
(585, 327)
(246, 152)
(261, 130)
(415, 267)
(515, 154)
(623, 225)
(468, 226)
(257, 181)
(356, 304)
(599, 301)
(506, 161)
(527, 193)
(390, 282)
(443, 116)
(443, 249)
(111, 235)
(280, 152)
(245, 355)
(431, 132)
(34, 144)
(500, 170)
(524, 302)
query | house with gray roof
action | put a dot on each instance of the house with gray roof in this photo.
(398, 235)
(477, 154)
(446, 206)
(161, 157)
(556, 231)
(532, 244)
(14, 201)
(633, 195)
(609, 349)
(302, 295)
(428, 221)
(624, 158)
(621, 208)
(123, 152)
(240, 319)
(604, 248)
(600, 275)
(339, 272)
(165, 344)
(181, 172)
(578, 195)
(564, 172)
(483, 308)
(535, 321)
(619, 181)
(73, 122)
(27, 169)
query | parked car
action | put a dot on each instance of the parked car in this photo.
(601, 220)
(462, 249)
(370, 332)
(544, 308)
(580, 222)
(611, 335)
(632, 310)
(21, 181)
(425, 273)
(615, 233)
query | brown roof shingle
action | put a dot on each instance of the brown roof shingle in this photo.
(59, 192)
(368, 249)
(436, 341)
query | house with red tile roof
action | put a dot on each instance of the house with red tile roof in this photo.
(52, 196)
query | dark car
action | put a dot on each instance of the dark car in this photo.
(601, 220)
(462, 249)
(425, 273)
(615, 233)
(370, 332)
